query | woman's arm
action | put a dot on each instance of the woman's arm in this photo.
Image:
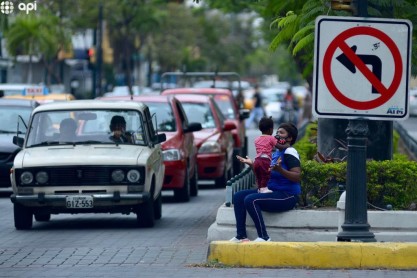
(246, 160)
(293, 174)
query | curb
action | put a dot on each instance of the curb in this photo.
(316, 255)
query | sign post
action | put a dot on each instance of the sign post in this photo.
(361, 73)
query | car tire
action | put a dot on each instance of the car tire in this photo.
(183, 194)
(42, 217)
(194, 183)
(23, 217)
(157, 207)
(237, 165)
(145, 215)
(221, 181)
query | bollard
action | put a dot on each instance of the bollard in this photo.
(229, 193)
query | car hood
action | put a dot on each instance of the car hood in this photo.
(205, 134)
(81, 155)
(6, 143)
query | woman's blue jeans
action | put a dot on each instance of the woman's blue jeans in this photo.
(253, 202)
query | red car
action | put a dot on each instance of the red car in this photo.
(230, 110)
(214, 141)
(179, 149)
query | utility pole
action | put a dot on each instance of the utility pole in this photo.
(99, 53)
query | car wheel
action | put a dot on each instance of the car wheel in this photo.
(157, 207)
(194, 183)
(145, 215)
(42, 217)
(183, 194)
(23, 217)
(230, 173)
(221, 182)
(237, 165)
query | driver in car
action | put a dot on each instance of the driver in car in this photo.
(118, 130)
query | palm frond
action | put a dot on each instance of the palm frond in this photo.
(303, 32)
(305, 42)
(311, 15)
(289, 19)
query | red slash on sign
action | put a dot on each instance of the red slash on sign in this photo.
(340, 42)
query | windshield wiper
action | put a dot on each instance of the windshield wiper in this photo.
(86, 142)
(45, 143)
(6, 131)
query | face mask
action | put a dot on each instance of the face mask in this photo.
(281, 140)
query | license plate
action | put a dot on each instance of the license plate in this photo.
(80, 202)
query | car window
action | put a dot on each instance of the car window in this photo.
(226, 106)
(164, 116)
(9, 116)
(92, 126)
(200, 113)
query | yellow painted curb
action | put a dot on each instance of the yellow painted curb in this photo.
(318, 255)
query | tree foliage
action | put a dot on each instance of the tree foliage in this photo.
(293, 22)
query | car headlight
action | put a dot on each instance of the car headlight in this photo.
(133, 176)
(210, 147)
(42, 177)
(171, 155)
(26, 177)
(118, 175)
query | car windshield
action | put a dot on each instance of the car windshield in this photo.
(200, 113)
(84, 127)
(9, 117)
(165, 120)
(225, 105)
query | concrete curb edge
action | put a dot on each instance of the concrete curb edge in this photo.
(315, 255)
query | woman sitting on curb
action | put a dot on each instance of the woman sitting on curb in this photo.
(284, 184)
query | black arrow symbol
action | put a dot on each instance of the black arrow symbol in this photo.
(372, 60)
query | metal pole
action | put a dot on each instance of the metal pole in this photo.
(356, 225)
(99, 57)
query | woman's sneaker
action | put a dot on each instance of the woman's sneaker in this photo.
(259, 239)
(235, 239)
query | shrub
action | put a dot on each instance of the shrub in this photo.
(391, 182)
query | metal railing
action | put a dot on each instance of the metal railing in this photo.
(243, 180)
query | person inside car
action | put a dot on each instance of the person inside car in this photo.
(67, 130)
(118, 130)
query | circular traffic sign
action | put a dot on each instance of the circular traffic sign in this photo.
(340, 42)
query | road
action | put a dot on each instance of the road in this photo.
(103, 245)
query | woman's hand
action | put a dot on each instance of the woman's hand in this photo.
(277, 167)
(246, 160)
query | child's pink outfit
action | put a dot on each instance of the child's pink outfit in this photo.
(264, 145)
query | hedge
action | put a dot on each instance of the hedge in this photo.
(391, 182)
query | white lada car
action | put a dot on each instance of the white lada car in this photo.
(70, 162)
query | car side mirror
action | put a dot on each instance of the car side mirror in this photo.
(193, 127)
(229, 125)
(18, 141)
(161, 138)
(244, 114)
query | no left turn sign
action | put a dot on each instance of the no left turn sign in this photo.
(361, 68)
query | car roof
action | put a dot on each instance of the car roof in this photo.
(193, 98)
(91, 104)
(145, 98)
(18, 102)
(205, 91)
